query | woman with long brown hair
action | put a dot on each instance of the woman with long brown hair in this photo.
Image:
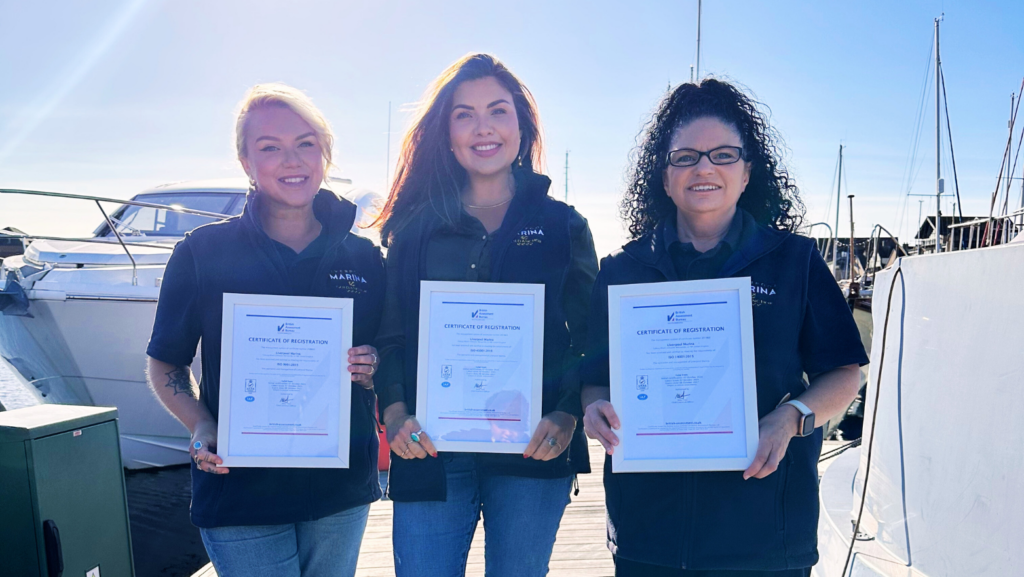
(469, 204)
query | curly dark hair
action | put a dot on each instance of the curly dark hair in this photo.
(771, 196)
(428, 176)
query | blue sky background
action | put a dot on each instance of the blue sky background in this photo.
(110, 97)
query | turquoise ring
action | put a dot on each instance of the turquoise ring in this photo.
(416, 436)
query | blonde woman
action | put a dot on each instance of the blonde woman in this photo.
(292, 238)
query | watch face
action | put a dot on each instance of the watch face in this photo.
(808, 423)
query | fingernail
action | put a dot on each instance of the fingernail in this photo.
(434, 455)
(525, 456)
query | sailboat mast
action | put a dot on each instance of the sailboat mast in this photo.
(852, 242)
(839, 201)
(698, 39)
(938, 169)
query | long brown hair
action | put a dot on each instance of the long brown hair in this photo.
(428, 176)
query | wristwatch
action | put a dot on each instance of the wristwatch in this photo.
(806, 425)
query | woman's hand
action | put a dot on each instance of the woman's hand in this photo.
(363, 362)
(551, 437)
(205, 458)
(775, 431)
(599, 419)
(401, 426)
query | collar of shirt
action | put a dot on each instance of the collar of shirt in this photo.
(732, 236)
(314, 250)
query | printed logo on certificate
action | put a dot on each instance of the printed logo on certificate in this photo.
(285, 395)
(682, 375)
(480, 365)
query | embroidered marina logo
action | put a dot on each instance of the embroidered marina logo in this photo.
(347, 275)
(530, 236)
(349, 281)
(761, 293)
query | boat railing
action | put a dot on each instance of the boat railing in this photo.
(828, 241)
(874, 252)
(984, 231)
(108, 219)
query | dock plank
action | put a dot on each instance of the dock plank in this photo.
(579, 546)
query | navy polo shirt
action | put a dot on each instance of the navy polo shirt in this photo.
(237, 256)
(690, 264)
(716, 520)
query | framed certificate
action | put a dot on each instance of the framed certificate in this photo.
(285, 393)
(682, 375)
(480, 367)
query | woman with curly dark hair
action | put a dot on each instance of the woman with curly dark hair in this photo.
(709, 197)
(469, 204)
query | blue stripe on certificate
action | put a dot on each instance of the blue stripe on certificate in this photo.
(680, 305)
(303, 318)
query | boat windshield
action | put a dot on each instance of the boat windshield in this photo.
(145, 221)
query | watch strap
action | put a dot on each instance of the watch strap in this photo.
(805, 414)
(804, 410)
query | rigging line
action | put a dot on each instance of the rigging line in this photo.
(999, 179)
(907, 179)
(1009, 176)
(949, 133)
(1016, 156)
(828, 208)
(874, 419)
(847, 185)
(918, 123)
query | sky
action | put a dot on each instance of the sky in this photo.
(111, 97)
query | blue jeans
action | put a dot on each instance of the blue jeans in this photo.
(327, 547)
(521, 517)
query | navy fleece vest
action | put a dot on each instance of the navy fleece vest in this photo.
(716, 520)
(237, 257)
(532, 246)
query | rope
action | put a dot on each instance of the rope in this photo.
(874, 422)
(839, 450)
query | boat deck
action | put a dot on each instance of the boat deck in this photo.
(580, 549)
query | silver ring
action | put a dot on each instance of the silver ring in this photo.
(373, 370)
(416, 436)
(197, 445)
(552, 442)
(376, 359)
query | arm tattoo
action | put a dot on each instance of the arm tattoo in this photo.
(180, 381)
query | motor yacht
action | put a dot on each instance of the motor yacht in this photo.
(77, 314)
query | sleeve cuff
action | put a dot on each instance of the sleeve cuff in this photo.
(389, 395)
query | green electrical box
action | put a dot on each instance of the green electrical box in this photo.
(63, 510)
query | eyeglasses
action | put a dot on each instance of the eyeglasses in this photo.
(685, 157)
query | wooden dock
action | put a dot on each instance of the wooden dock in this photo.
(580, 549)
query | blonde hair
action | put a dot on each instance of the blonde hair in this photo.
(284, 96)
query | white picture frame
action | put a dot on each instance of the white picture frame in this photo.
(690, 422)
(285, 358)
(496, 420)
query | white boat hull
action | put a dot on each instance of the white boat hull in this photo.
(90, 350)
(943, 496)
